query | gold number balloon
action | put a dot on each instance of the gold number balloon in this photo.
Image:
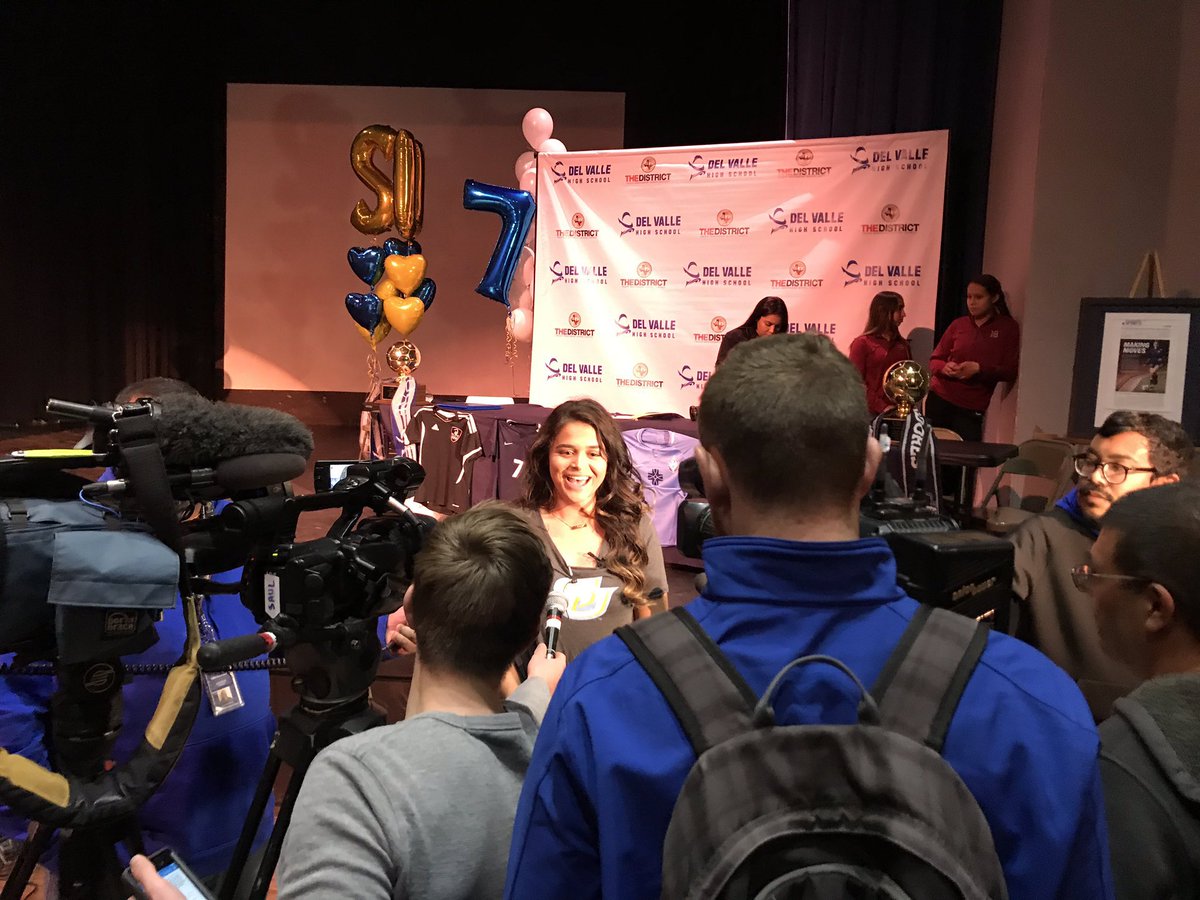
(409, 185)
(362, 152)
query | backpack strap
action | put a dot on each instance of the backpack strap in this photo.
(924, 678)
(709, 698)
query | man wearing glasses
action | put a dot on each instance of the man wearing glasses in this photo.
(1131, 451)
(1143, 578)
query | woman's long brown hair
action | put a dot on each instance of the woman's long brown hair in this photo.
(619, 503)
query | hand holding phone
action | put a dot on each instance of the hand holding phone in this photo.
(163, 876)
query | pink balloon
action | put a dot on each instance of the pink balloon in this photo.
(524, 161)
(527, 271)
(527, 257)
(552, 145)
(537, 126)
(522, 324)
(525, 299)
(529, 181)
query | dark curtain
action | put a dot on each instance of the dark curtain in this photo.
(112, 161)
(884, 66)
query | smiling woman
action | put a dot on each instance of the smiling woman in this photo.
(584, 500)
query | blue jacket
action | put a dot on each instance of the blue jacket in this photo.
(200, 807)
(611, 758)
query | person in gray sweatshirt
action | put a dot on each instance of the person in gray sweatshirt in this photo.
(424, 808)
(1143, 575)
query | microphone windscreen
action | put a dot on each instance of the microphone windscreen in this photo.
(195, 432)
(259, 470)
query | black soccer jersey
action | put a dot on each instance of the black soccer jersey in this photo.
(515, 441)
(447, 443)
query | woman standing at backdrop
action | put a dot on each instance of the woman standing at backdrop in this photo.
(880, 346)
(978, 351)
(769, 317)
(584, 499)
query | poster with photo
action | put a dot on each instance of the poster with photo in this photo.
(1135, 364)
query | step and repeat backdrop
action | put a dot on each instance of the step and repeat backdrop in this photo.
(646, 258)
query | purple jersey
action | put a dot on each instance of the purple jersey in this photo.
(515, 440)
(656, 454)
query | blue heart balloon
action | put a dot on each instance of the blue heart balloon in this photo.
(366, 310)
(425, 290)
(367, 263)
(395, 247)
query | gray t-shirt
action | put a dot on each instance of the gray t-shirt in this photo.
(420, 809)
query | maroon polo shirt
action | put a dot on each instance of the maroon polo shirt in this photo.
(995, 345)
(873, 355)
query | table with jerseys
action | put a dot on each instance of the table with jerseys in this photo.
(473, 453)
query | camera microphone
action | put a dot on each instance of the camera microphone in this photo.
(556, 609)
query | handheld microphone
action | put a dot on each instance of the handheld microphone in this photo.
(556, 609)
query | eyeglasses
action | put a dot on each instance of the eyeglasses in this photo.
(1112, 472)
(1083, 575)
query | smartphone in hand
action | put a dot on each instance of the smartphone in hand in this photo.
(172, 871)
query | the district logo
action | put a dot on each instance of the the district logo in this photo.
(647, 173)
(723, 275)
(693, 378)
(657, 224)
(655, 477)
(714, 336)
(796, 277)
(577, 274)
(889, 216)
(904, 158)
(723, 166)
(574, 371)
(640, 378)
(577, 229)
(897, 273)
(802, 169)
(655, 329)
(588, 173)
(574, 321)
(643, 280)
(724, 218)
(806, 221)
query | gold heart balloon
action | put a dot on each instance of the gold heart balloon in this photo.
(405, 272)
(404, 313)
(386, 291)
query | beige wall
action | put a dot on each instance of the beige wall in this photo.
(289, 192)
(1095, 129)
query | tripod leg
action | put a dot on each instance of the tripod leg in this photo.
(31, 852)
(266, 868)
(262, 796)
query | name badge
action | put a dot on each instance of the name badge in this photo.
(586, 599)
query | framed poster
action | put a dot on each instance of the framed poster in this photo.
(1137, 354)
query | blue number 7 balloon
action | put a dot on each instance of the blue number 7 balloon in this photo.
(515, 209)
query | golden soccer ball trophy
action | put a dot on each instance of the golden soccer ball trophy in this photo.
(906, 383)
(403, 357)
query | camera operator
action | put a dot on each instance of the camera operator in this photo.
(217, 772)
(786, 458)
(424, 808)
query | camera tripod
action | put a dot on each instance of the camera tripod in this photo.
(333, 683)
(86, 713)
